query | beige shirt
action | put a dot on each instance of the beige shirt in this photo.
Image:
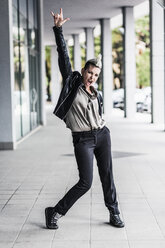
(84, 113)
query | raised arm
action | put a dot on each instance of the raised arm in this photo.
(63, 57)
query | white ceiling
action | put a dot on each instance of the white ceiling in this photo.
(82, 14)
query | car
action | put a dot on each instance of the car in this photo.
(139, 99)
(147, 100)
(118, 98)
(142, 99)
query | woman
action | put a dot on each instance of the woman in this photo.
(80, 106)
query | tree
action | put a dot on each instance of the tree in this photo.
(143, 69)
(117, 58)
(142, 30)
(97, 51)
(142, 51)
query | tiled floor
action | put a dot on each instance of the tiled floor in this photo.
(43, 168)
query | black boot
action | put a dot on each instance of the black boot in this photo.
(115, 220)
(51, 218)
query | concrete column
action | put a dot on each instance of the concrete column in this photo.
(106, 44)
(77, 53)
(42, 65)
(55, 75)
(89, 43)
(129, 62)
(7, 128)
(157, 61)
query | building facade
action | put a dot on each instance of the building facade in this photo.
(21, 67)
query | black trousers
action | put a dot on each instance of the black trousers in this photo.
(86, 145)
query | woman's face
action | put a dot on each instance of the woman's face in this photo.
(90, 75)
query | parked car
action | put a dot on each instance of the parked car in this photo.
(142, 99)
(118, 98)
(147, 100)
(139, 99)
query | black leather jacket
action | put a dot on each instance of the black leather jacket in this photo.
(71, 80)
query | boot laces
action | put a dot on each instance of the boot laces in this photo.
(55, 217)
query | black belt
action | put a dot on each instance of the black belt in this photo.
(92, 131)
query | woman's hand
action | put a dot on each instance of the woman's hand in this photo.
(58, 18)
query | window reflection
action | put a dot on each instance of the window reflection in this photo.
(25, 65)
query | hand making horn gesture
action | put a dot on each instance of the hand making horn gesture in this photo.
(58, 18)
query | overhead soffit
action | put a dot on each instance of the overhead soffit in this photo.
(82, 14)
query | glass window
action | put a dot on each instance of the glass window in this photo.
(17, 90)
(33, 62)
(26, 66)
(31, 23)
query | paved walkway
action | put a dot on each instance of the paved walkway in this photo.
(43, 168)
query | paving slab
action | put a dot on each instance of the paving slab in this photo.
(147, 244)
(43, 169)
(71, 244)
(110, 243)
